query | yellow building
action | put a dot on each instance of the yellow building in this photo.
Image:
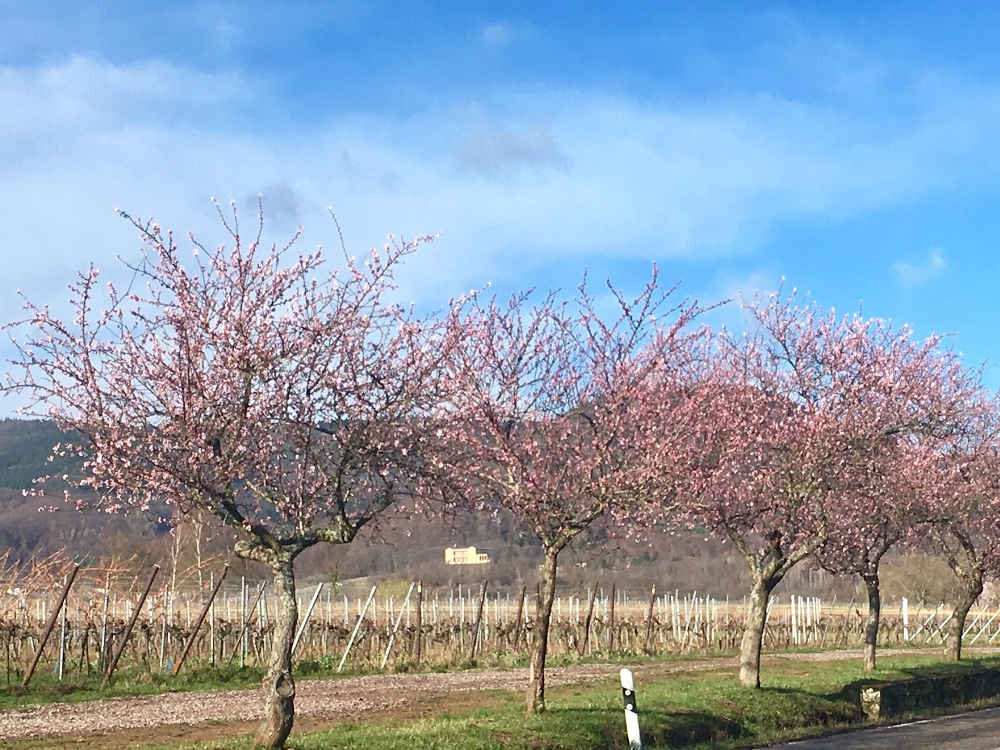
(465, 556)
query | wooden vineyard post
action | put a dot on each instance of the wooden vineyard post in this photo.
(84, 648)
(649, 620)
(905, 615)
(984, 627)
(847, 620)
(62, 635)
(520, 617)
(305, 620)
(479, 620)
(248, 620)
(329, 616)
(419, 620)
(395, 628)
(163, 631)
(102, 657)
(200, 620)
(586, 622)
(211, 622)
(128, 628)
(611, 621)
(357, 626)
(51, 624)
(242, 642)
(932, 615)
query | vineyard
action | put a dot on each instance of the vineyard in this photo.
(125, 618)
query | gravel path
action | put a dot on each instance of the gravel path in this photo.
(347, 698)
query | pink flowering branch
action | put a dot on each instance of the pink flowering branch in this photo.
(291, 400)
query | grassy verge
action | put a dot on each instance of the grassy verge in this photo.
(691, 710)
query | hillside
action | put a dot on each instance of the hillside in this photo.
(24, 448)
(407, 548)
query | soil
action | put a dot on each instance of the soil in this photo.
(202, 716)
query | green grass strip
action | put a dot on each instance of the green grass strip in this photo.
(689, 710)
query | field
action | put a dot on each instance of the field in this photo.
(395, 626)
(442, 650)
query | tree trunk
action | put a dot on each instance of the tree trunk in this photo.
(279, 687)
(753, 633)
(973, 587)
(872, 623)
(547, 590)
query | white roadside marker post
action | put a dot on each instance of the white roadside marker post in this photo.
(631, 710)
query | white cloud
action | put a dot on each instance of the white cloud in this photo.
(496, 34)
(512, 180)
(82, 93)
(919, 273)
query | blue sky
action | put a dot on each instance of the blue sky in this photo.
(852, 151)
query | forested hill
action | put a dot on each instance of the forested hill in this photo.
(25, 530)
(412, 548)
(24, 450)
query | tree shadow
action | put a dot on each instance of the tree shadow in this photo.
(659, 728)
(787, 711)
(937, 686)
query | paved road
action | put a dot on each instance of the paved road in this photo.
(975, 730)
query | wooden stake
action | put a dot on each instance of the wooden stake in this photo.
(305, 620)
(248, 620)
(649, 619)
(395, 629)
(62, 639)
(243, 622)
(51, 624)
(479, 620)
(128, 628)
(611, 620)
(586, 623)
(520, 616)
(163, 631)
(419, 619)
(197, 625)
(102, 657)
(211, 621)
(350, 642)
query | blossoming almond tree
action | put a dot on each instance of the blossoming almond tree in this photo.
(288, 400)
(879, 503)
(962, 491)
(900, 401)
(754, 476)
(551, 422)
(777, 421)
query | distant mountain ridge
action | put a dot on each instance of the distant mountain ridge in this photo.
(25, 445)
(413, 548)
